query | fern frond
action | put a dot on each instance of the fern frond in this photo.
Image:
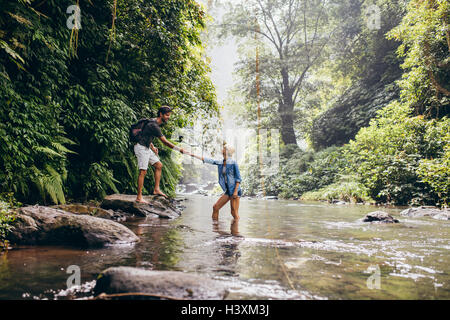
(37, 180)
(20, 19)
(127, 166)
(11, 52)
(54, 185)
(61, 149)
(65, 140)
(48, 151)
(109, 181)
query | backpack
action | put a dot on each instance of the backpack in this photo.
(136, 130)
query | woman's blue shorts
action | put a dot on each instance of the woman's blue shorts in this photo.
(230, 193)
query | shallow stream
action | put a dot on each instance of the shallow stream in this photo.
(278, 250)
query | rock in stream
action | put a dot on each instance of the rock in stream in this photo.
(157, 207)
(36, 225)
(379, 216)
(426, 211)
(172, 284)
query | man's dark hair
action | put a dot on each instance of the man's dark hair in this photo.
(164, 110)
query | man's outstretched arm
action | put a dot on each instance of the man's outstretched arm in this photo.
(170, 144)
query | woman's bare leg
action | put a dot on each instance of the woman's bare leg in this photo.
(218, 205)
(235, 207)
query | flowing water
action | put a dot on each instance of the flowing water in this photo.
(278, 250)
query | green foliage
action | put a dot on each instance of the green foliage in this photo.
(402, 159)
(349, 191)
(49, 182)
(8, 198)
(100, 180)
(311, 171)
(436, 172)
(388, 153)
(7, 217)
(299, 172)
(399, 158)
(368, 61)
(67, 100)
(425, 40)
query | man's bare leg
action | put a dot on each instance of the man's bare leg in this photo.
(141, 178)
(218, 205)
(158, 169)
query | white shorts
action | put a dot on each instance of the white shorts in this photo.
(144, 156)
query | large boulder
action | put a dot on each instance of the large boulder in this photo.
(426, 211)
(158, 206)
(379, 216)
(175, 284)
(45, 225)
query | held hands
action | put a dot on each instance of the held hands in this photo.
(181, 150)
(186, 152)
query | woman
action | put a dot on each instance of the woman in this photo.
(229, 180)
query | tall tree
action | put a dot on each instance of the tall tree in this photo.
(292, 35)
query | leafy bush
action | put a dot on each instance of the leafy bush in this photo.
(7, 216)
(6, 219)
(299, 172)
(436, 173)
(350, 191)
(400, 157)
(425, 40)
(388, 153)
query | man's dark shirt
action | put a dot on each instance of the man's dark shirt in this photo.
(151, 130)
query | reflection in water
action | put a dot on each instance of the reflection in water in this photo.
(37, 271)
(159, 245)
(229, 251)
(234, 228)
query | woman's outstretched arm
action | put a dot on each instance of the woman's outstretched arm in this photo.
(204, 159)
(195, 156)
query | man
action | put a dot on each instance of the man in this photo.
(146, 152)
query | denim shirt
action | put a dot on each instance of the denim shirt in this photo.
(232, 173)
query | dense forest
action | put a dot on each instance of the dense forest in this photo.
(370, 99)
(71, 85)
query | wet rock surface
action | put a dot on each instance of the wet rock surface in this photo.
(93, 211)
(425, 211)
(172, 284)
(379, 216)
(158, 206)
(45, 225)
(339, 202)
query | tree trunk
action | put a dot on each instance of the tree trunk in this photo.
(287, 124)
(286, 111)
